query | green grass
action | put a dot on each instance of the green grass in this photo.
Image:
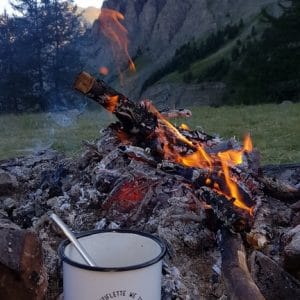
(275, 130)
(28, 133)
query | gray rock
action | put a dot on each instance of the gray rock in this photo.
(9, 204)
(292, 249)
(182, 95)
(8, 184)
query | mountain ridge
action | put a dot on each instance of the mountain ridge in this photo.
(157, 28)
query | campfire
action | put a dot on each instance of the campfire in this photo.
(202, 160)
(230, 226)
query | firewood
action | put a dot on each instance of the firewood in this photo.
(176, 113)
(22, 274)
(273, 282)
(233, 217)
(135, 117)
(230, 215)
(279, 189)
(261, 230)
(237, 278)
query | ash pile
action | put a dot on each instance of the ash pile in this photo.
(232, 232)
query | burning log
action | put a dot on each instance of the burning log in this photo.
(134, 117)
(238, 281)
(231, 216)
(203, 181)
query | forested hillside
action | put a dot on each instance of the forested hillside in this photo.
(258, 62)
(268, 67)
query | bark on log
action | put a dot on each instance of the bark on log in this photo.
(279, 189)
(22, 275)
(135, 117)
(261, 230)
(230, 215)
(272, 280)
(237, 278)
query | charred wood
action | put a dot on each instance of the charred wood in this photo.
(279, 189)
(22, 273)
(261, 230)
(231, 216)
(273, 282)
(237, 278)
(134, 117)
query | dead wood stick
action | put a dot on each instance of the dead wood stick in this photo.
(176, 113)
(279, 189)
(238, 281)
(22, 273)
(261, 230)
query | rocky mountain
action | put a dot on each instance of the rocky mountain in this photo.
(158, 27)
(89, 14)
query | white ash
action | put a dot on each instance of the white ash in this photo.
(84, 192)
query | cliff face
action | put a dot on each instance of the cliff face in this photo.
(158, 27)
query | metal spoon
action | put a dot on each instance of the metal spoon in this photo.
(68, 233)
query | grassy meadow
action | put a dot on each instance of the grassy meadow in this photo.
(275, 129)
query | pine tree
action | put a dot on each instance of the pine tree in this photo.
(39, 55)
(270, 70)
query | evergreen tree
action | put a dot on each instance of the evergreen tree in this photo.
(270, 70)
(39, 53)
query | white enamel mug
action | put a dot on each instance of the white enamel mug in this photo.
(129, 266)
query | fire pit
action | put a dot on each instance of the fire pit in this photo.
(230, 229)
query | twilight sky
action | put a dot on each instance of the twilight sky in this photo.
(82, 3)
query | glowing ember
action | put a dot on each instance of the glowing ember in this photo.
(103, 70)
(112, 28)
(129, 194)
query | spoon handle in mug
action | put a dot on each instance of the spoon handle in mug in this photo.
(68, 233)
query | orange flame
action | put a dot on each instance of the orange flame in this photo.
(111, 103)
(112, 28)
(232, 158)
(166, 131)
(184, 127)
(201, 159)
